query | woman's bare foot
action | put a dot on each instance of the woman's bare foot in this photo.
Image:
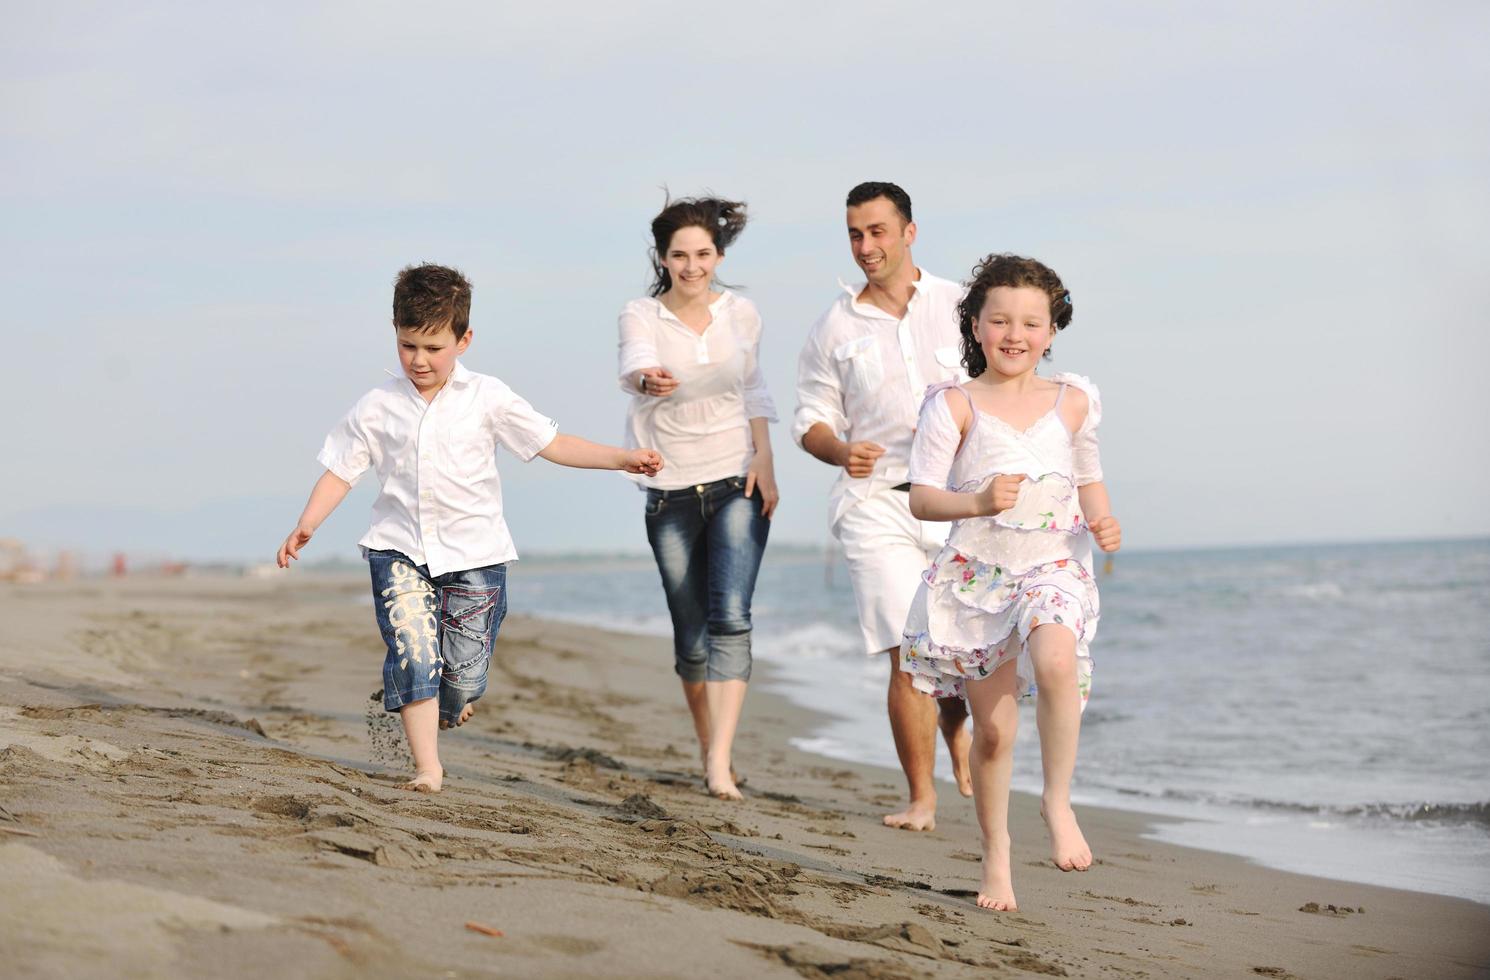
(1068, 847)
(734, 776)
(425, 782)
(465, 716)
(920, 815)
(724, 789)
(996, 891)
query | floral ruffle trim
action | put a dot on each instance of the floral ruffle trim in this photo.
(1045, 503)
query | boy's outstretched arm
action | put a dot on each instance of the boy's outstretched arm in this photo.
(329, 491)
(567, 450)
(1098, 510)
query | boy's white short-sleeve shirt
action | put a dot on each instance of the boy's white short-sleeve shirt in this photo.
(441, 498)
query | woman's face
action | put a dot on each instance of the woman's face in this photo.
(690, 260)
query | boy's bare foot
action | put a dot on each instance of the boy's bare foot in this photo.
(465, 716)
(920, 815)
(996, 891)
(1068, 847)
(425, 782)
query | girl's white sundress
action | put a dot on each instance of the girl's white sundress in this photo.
(999, 577)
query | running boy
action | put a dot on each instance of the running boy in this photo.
(438, 545)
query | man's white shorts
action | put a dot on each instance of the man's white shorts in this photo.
(887, 550)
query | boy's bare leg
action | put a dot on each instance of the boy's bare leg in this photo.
(726, 699)
(422, 729)
(913, 723)
(1058, 715)
(995, 709)
(951, 713)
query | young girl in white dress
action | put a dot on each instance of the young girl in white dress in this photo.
(1009, 606)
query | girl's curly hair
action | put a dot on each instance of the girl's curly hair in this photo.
(1014, 271)
(723, 220)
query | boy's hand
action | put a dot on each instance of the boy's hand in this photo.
(859, 457)
(1002, 493)
(291, 548)
(1108, 533)
(646, 462)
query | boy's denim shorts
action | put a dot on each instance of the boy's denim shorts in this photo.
(439, 631)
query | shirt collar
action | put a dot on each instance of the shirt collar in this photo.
(714, 306)
(854, 289)
(459, 375)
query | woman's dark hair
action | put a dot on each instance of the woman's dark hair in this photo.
(723, 220)
(1014, 271)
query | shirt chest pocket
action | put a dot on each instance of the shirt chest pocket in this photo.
(860, 365)
(469, 451)
(950, 361)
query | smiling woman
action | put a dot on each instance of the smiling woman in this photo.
(690, 359)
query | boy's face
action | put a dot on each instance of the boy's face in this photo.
(428, 356)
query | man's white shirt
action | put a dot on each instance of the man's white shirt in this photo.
(441, 498)
(863, 374)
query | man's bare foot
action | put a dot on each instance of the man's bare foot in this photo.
(920, 815)
(465, 716)
(1068, 848)
(996, 891)
(425, 782)
(959, 743)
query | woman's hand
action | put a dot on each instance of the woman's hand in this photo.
(762, 476)
(658, 382)
(1001, 494)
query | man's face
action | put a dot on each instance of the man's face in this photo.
(428, 357)
(880, 237)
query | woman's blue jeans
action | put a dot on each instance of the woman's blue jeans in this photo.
(708, 540)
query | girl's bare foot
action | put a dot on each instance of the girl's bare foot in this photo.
(1068, 847)
(920, 815)
(996, 891)
(425, 782)
(723, 788)
(465, 716)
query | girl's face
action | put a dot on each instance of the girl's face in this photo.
(1014, 329)
(690, 260)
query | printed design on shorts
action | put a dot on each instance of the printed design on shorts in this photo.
(467, 610)
(409, 602)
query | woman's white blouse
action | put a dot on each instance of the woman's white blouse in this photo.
(702, 429)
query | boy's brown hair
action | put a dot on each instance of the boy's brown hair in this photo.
(429, 298)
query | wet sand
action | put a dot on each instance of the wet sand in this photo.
(193, 782)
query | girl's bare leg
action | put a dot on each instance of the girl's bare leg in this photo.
(726, 699)
(422, 729)
(1058, 715)
(994, 706)
(698, 707)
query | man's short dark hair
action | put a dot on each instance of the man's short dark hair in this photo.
(429, 298)
(871, 189)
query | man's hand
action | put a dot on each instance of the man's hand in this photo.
(1108, 533)
(858, 457)
(658, 382)
(1001, 494)
(298, 539)
(646, 462)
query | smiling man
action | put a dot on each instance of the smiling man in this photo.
(860, 380)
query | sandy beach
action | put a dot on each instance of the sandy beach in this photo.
(194, 782)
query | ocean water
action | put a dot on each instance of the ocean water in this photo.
(1321, 709)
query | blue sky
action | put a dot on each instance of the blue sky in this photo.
(1271, 219)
